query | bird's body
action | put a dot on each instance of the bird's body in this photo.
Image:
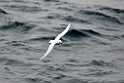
(55, 41)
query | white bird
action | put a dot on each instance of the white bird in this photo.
(55, 41)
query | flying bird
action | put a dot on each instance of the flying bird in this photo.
(55, 41)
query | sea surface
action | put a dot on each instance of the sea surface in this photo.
(92, 50)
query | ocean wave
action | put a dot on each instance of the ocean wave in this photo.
(101, 63)
(51, 0)
(75, 19)
(98, 63)
(101, 16)
(2, 11)
(65, 8)
(53, 16)
(15, 43)
(37, 80)
(14, 62)
(72, 33)
(66, 18)
(96, 73)
(122, 36)
(17, 25)
(42, 38)
(76, 33)
(76, 80)
(24, 8)
(115, 10)
(82, 33)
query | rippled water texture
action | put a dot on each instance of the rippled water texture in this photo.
(92, 50)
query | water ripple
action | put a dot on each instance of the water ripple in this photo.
(16, 25)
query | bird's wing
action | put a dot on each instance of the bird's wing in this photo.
(48, 51)
(63, 33)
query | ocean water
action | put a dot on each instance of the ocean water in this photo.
(92, 50)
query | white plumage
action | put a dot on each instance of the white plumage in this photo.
(55, 41)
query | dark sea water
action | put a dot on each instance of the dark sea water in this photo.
(92, 50)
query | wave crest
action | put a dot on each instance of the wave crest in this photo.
(82, 33)
(102, 16)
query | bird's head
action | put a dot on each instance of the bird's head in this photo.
(59, 42)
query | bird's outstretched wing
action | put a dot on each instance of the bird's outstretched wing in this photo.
(48, 50)
(63, 33)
